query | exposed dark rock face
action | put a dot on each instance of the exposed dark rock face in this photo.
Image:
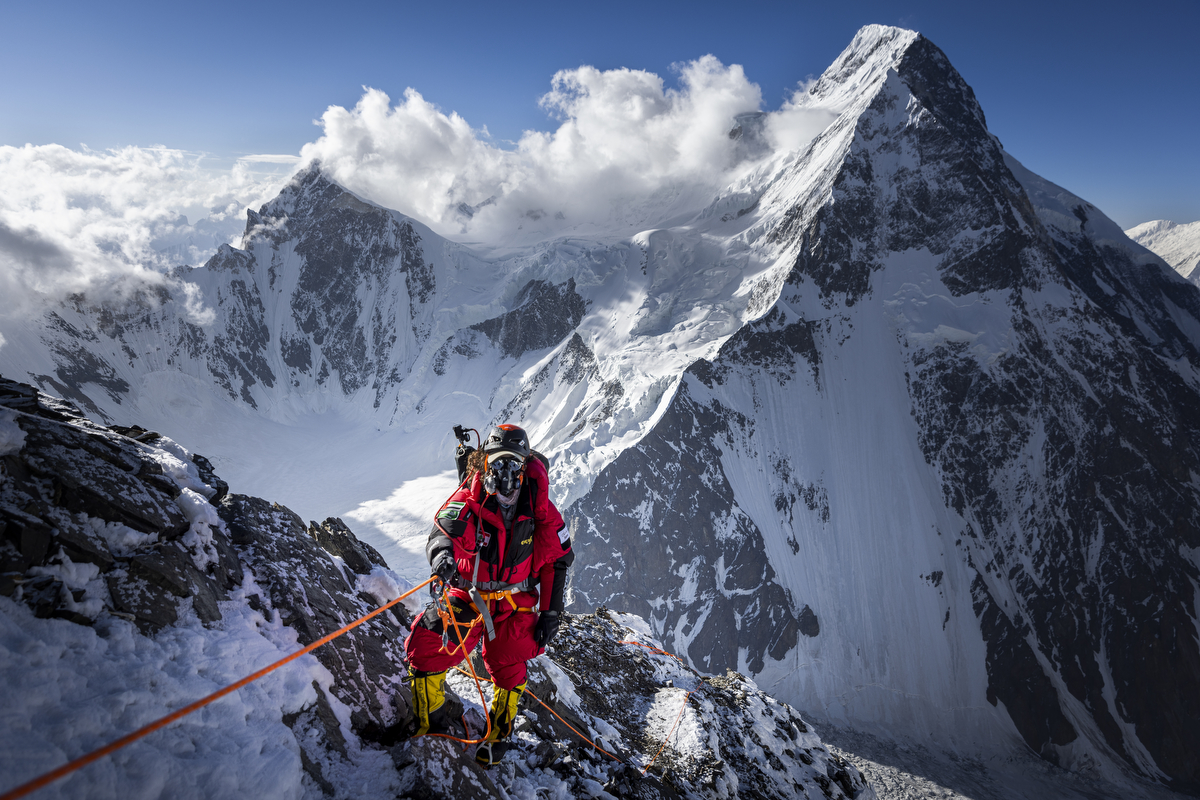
(773, 343)
(353, 254)
(72, 478)
(210, 478)
(310, 581)
(577, 361)
(70, 470)
(655, 527)
(542, 316)
(315, 596)
(808, 623)
(239, 354)
(1070, 452)
(1016, 678)
(335, 537)
(1102, 531)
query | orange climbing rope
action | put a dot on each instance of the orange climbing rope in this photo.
(678, 717)
(555, 713)
(661, 747)
(670, 733)
(448, 618)
(83, 761)
(572, 727)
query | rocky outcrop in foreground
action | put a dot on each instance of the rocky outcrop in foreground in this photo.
(118, 548)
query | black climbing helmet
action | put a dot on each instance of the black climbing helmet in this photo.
(505, 440)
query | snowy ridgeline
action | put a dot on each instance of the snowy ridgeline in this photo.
(1177, 244)
(134, 584)
(892, 424)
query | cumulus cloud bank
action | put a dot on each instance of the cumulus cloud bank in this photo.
(107, 223)
(627, 148)
(628, 151)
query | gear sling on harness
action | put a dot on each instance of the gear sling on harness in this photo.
(479, 599)
(479, 603)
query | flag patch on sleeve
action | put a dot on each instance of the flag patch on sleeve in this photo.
(451, 511)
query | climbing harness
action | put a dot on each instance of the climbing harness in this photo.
(71, 766)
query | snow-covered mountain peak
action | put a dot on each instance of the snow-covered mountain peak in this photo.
(310, 195)
(1177, 244)
(862, 66)
(879, 51)
(872, 423)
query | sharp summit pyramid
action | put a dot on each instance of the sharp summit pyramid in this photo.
(894, 426)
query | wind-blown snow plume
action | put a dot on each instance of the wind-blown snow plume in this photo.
(626, 143)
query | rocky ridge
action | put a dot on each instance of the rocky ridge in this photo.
(122, 534)
(892, 425)
(1051, 418)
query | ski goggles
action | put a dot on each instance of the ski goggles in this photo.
(505, 464)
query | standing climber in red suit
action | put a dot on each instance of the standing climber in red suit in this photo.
(502, 550)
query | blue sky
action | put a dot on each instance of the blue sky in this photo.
(1102, 100)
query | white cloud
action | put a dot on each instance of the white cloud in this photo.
(628, 152)
(107, 223)
(798, 122)
(625, 149)
(269, 158)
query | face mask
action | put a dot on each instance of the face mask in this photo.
(503, 478)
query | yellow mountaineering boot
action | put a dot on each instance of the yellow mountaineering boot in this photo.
(429, 701)
(502, 716)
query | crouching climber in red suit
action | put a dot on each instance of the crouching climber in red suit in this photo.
(501, 547)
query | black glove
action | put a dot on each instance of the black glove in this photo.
(547, 626)
(445, 567)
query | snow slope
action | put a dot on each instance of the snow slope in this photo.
(132, 583)
(1177, 244)
(891, 423)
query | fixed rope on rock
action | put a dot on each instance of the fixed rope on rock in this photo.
(686, 699)
(71, 766)
(644, 770)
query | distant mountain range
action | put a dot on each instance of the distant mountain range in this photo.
(893, 425)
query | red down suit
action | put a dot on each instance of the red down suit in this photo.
(529, 558)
